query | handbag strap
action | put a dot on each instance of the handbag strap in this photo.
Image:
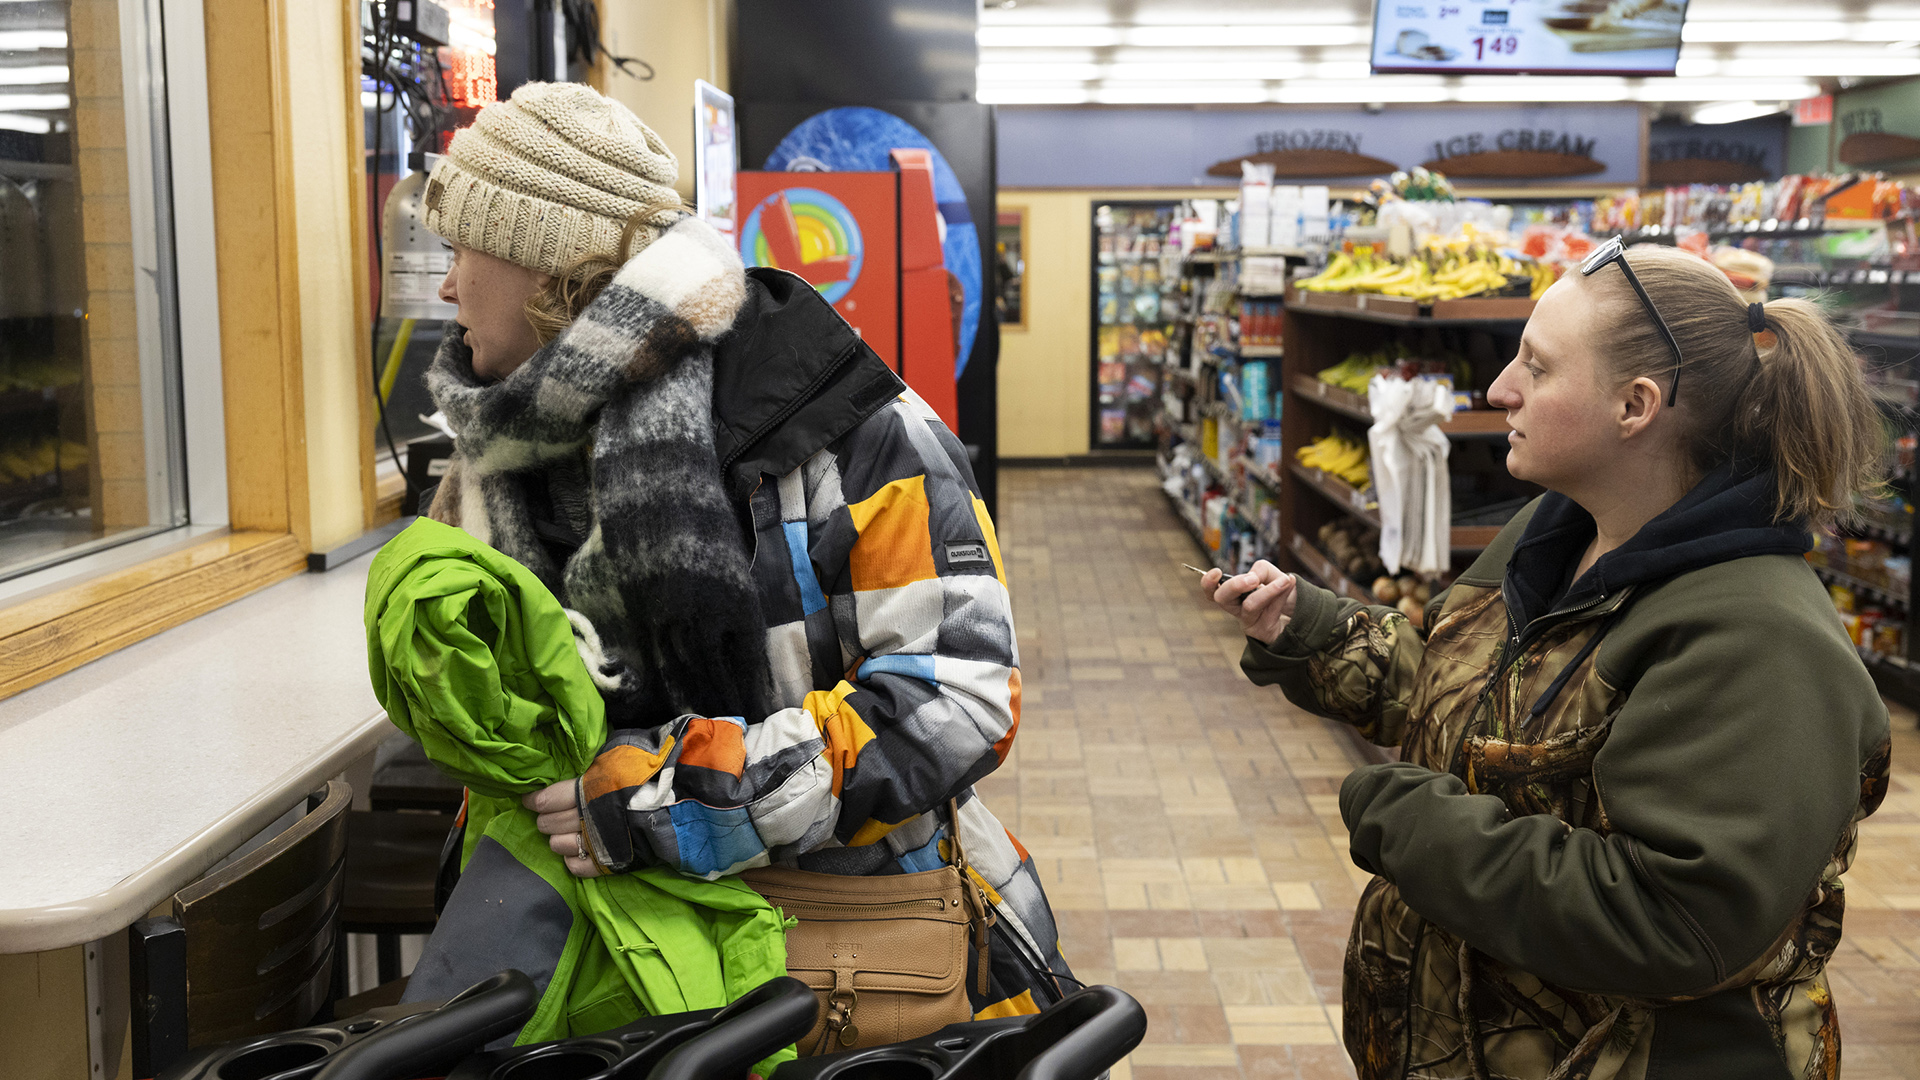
(980, 910)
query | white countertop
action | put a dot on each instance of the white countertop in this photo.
(125, 779)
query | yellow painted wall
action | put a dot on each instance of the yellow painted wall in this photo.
(329, 327)
(1046, 370)
(684, 40)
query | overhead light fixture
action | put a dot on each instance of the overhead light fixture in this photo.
(35, 102)
(1722, 90)
(1242, 35)
(1362, 91)
(989, 94)
(1225, 71)
(1732, 112)
(1809, 67)
(32, 125)
(1047, 37)
(37, 74)
(1764, 30)
(1037, 73)
(1179, 94)
(22, 40)
(1496, 88)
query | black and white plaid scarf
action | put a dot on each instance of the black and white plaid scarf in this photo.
(667, 611)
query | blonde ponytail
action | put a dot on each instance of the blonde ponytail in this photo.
(1809, 407)
(1791, 398)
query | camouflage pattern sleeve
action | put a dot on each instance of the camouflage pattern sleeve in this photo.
(1342, 660)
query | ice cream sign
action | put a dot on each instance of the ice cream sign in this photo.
(1516, 153)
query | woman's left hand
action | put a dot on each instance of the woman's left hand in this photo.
(559, 808)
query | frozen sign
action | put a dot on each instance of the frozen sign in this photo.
(1561, 37)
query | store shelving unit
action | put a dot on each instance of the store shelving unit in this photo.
(1133, 319)
(1322, 330)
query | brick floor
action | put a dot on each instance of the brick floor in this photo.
(1184, 821)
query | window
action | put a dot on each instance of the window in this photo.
(92, 412)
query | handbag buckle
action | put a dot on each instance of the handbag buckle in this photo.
(840, 1006)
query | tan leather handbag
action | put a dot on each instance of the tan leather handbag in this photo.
(886, 955)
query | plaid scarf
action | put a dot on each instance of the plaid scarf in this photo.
(660, 591)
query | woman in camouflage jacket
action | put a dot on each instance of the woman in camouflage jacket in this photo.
(1636, 742)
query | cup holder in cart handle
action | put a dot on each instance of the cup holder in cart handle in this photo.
(769, 1017)
(469, 1020)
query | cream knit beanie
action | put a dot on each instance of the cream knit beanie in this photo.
(551, 176)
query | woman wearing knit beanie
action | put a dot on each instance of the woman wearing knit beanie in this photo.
(774, 553)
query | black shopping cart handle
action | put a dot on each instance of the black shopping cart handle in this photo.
(769, 1017)
(1078, 1038)
(469, 1020)
(1090, 1031)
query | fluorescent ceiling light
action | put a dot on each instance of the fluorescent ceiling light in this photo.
(1031, 95)
(1045, 16)
(1243, 35)
(1179, 94)
(33, 75)
(35, 101)
(1732, 112)
(1808, 67)
(1343, 69)
(1160, 37)
(1592, 88)
(1756, 30)
(1050, 37)
(1723, 90)
(1037, 73)
(1361, 91)
(32, 125)
(1799, 30)
(11, 40)
(1229, 71)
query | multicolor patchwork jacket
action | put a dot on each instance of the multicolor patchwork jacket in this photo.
(1614, 843)
(890, 632)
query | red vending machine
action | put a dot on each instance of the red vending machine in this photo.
(870, 243)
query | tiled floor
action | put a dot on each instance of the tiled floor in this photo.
(1185, 821)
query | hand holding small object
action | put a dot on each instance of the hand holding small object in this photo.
(558, 807)
(1262, 598)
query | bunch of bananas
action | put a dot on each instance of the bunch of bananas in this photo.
(1446, 270)
(1339, 455)
(27, 461)
(1355, 371)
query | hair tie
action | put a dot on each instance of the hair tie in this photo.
(1756, 318)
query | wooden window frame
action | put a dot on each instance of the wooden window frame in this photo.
(270, 529)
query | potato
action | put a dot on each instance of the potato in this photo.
(1423, 593)
(1412, 610)
(1386, 590)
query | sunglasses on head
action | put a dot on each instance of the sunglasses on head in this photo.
(1615, 251)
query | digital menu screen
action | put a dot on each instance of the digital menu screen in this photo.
(1537, 37)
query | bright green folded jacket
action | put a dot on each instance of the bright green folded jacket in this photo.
(474, 659)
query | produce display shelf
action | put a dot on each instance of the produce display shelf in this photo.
(1322, 567)
(1400, 310)
(1348, 403)
(1861, 585)
(1464, 538)
(1339, 492)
